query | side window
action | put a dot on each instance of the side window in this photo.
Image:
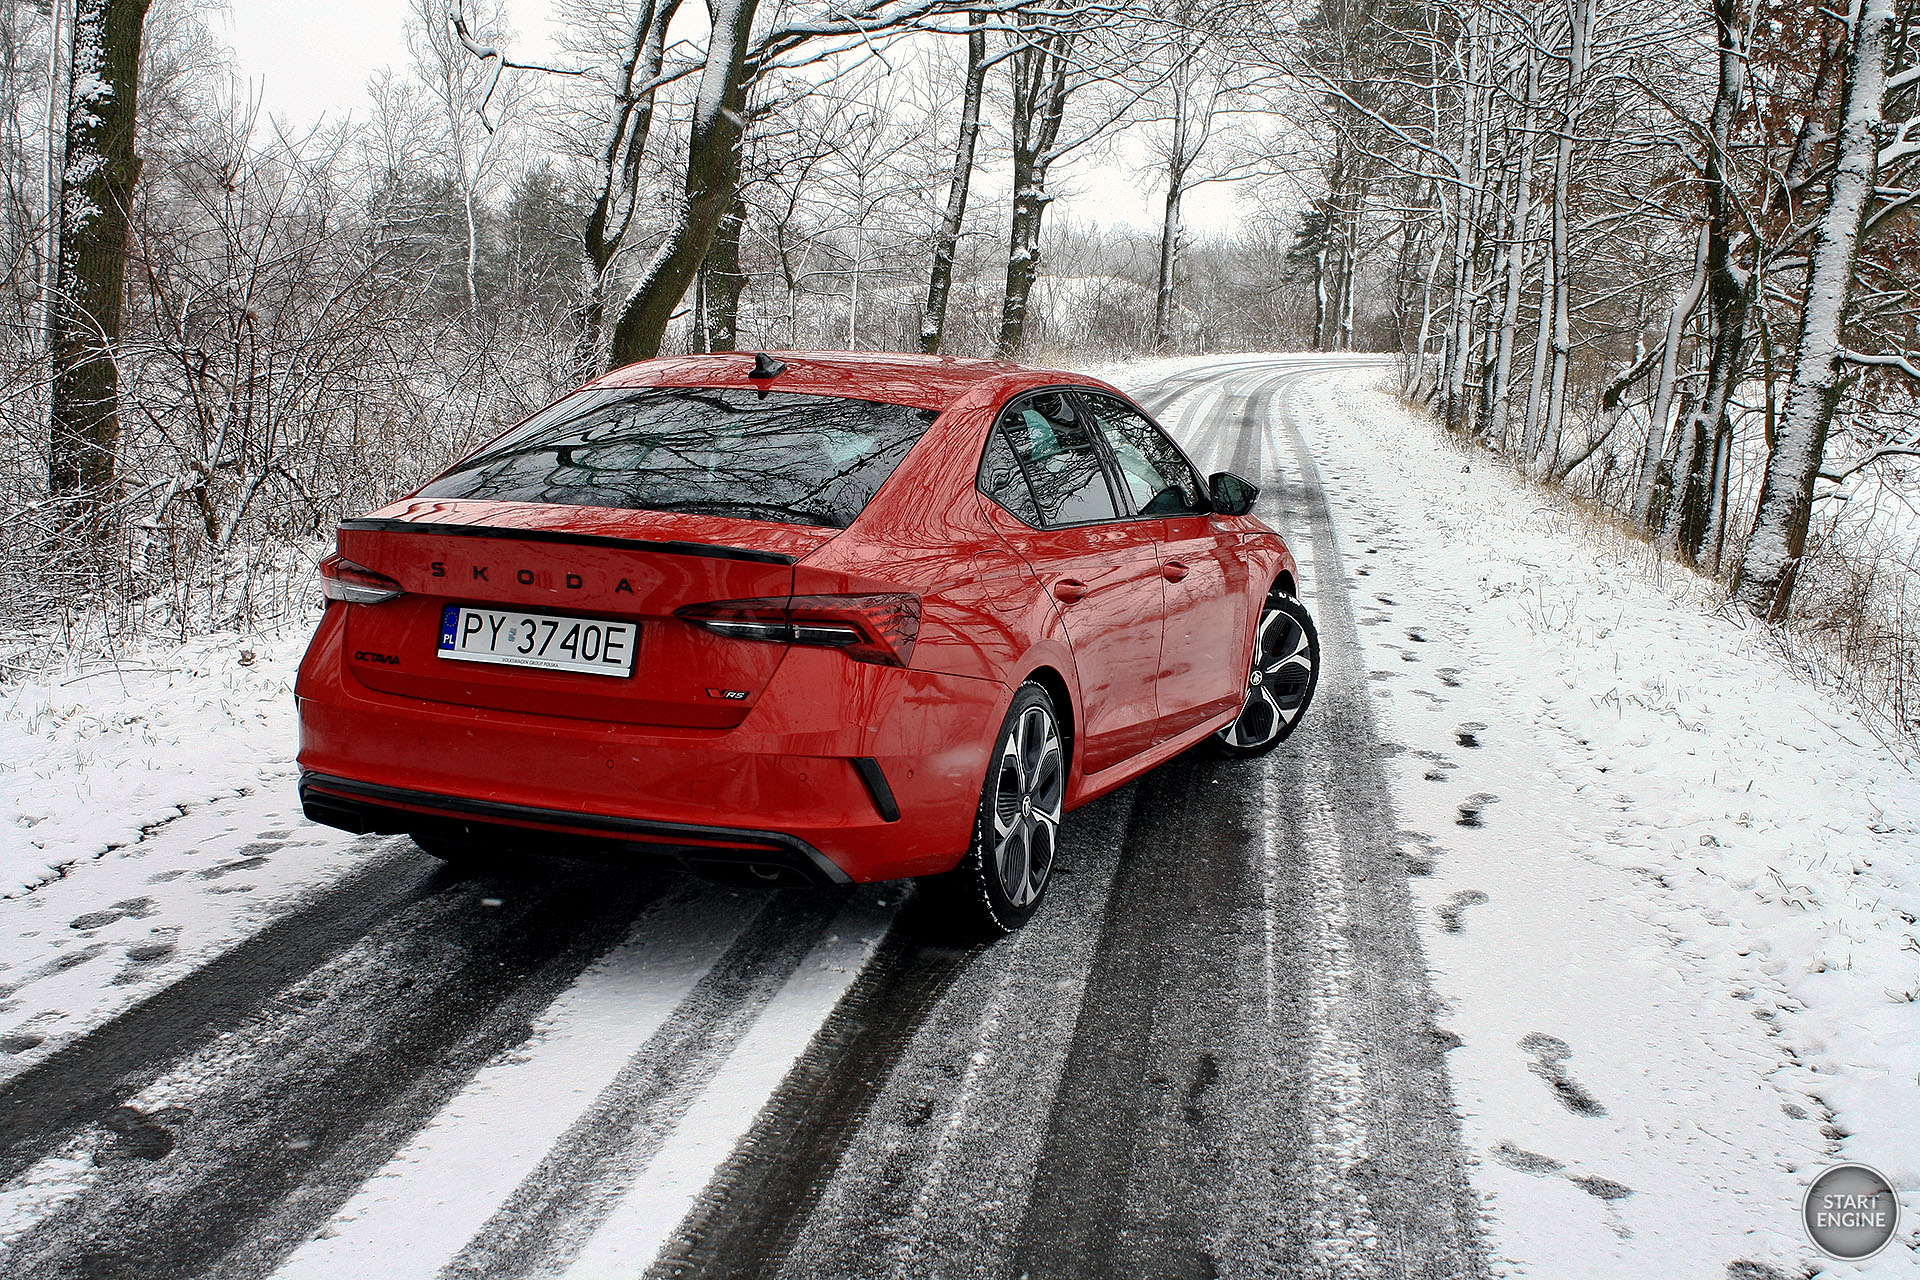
(1159, 479)
(1054, 448)
(1002, 480)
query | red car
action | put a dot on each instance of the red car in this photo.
(821, 617)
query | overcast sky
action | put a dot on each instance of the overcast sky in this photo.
(312, 57)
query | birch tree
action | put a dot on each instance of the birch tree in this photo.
(1878, 66)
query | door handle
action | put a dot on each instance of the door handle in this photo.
(1173, 571)
(1069, 590)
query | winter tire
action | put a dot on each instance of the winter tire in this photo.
(1003, 878)
(1280, 680)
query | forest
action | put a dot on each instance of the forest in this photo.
(1655, 253)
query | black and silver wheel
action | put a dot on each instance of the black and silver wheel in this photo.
(1003, 878)
(1280, 680)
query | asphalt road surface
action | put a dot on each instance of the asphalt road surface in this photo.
(1213, 1054)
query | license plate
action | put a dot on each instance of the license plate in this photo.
(547, 641)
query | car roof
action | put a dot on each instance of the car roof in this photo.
(918, 381)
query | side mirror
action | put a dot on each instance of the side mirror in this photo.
(1231, 495)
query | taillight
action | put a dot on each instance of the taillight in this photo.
(342, 579)
(876, 628)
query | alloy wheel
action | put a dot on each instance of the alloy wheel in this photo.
(1278, 683)
(1029, 790)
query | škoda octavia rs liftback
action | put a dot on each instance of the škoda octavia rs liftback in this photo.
(820, 617)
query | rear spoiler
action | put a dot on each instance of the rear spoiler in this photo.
(672, 547)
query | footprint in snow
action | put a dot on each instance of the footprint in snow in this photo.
(1468, 734)
(1449, 676)
(1418, 848)
(1416, 635)
(239, 864)
(1525, 1161)
(1746, 1270)
(139, 1135)
(1471, 810)
(1550, 1054)
(1602, 1188)
(1453, 909)
(132, 908)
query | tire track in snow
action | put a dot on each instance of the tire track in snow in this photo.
(589, 1170)
(748, 1216)
(43, 1105)
(1407, 1160)
(935, 1179)
(264, 1132)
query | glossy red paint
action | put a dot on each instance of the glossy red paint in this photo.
(742, 752)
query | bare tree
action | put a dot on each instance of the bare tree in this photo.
(1199, 84)
(946, 237)
(1866, 146)
(473, 151)
(101, 168)
(1060, 51)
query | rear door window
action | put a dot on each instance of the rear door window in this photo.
(1051, 443)
(731, 451)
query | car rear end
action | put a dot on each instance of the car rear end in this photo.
(612, 631)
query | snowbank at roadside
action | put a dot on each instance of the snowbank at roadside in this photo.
(92, 758)
(1670, 889)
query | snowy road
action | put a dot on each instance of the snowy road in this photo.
(1216, 1052)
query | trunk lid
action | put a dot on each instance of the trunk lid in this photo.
(571, 562)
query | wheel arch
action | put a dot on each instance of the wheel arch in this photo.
(1057, 689)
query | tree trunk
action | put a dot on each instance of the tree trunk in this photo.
(1579, 32)
(713, 177)
(1537, 381)
(1519, 225)
(1779, 535)
(1041, 84)
(1023, 265)
(619, 175)
(59, 89)
(1728, 297)
(1656, 447)
(1466, 200)
(723, 282)
(1169, 243)
(102, 169)
(933, 324)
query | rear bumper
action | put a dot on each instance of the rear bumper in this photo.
(363, 807)
(874, 781)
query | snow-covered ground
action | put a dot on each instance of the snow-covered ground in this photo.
(1670, 888)
(1669, 892)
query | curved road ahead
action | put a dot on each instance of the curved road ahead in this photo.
(1214, 1053)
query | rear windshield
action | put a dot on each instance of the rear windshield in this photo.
(796, 459)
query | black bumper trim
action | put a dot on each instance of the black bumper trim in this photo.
(362, 807)
(883, 802)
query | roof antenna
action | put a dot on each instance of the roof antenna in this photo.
(765, 366)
